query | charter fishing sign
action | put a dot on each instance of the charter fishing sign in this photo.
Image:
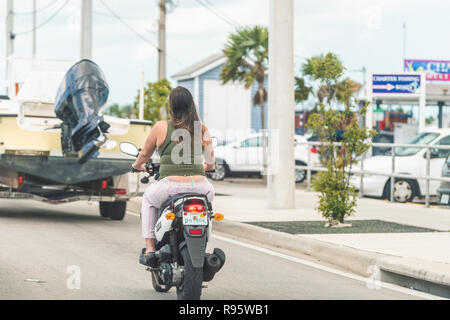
(396, 83)
(436, 70)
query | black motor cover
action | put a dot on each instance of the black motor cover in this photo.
(78, 103)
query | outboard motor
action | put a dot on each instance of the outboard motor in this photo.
(78, 103)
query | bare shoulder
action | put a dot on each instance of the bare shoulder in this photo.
(160, 131)
(161, 124)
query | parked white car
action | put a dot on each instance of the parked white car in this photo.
(408, 161)
(245, 156)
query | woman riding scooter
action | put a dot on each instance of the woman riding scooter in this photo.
(182, 143)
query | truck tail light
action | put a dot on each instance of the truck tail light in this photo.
(120, 191)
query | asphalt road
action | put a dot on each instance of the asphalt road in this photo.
(43, 246)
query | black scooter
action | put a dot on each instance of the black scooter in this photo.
(182, 232)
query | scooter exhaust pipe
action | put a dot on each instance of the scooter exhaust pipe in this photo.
(213, 263)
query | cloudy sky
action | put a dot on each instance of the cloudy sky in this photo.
(362, 32)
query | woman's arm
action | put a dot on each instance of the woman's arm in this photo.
(149, 147)
(208, 150)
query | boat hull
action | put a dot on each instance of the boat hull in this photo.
(38, 153)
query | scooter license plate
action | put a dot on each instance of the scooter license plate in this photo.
(195, 219)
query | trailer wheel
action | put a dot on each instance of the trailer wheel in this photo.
(104, 209)
(114, 210)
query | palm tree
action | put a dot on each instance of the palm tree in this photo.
(302, 91)
(247, 54)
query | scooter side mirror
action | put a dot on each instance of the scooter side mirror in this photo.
(129, 148)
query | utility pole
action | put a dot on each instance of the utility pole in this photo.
(9, 37)
(34, 29)
(281, 178)
(162, 40)
(86, 29)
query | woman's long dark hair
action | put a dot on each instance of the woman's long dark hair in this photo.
(183, 113)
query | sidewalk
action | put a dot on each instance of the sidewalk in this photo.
(413, 259)
(249, 204)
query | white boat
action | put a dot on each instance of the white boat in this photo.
(37, 157)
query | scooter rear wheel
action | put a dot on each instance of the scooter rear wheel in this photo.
(191, 289)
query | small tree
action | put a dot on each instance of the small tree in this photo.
(115, 110)
(155, 100)
(337, 198)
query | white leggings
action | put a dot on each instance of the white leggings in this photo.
(160, 191)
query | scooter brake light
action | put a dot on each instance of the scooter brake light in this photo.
(195, 231)
(194, 208)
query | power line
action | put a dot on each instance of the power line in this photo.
(136, 32)
(114, 14)
(218, 10)
(51, 3)
(222, 17)
(46, 21)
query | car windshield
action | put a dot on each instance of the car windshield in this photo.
(423, 138)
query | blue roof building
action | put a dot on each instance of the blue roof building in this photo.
(221, 106)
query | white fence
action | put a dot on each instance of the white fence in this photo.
(392, 175)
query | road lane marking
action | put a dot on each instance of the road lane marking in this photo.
(321, 267)
(328, 269)
(134, 214)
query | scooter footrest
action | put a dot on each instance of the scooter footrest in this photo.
(148, 260)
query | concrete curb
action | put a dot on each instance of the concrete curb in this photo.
(346, 257)
(430, 274)
(355, 260)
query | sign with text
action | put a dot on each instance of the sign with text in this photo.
(396, 83)
(436, 70)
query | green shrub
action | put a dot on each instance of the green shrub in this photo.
(339, 152)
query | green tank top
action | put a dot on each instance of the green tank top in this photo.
(178, 163)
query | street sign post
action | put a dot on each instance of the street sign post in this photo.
(396, 83)
(398, 87)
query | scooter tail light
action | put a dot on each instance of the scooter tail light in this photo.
(195, 231)
(194, 208)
